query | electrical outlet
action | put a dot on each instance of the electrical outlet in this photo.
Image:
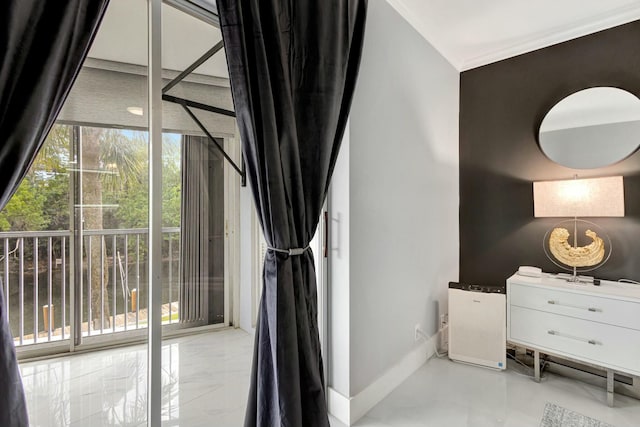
(444, 331)
(416, 332)
(444, 337)
(443, 321)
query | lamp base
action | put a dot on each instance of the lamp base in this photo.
(581, 228)
(574, 278)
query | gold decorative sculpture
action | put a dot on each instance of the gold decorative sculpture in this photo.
(579, 256)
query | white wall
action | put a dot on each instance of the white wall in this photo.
(339, 302)
(401, 212)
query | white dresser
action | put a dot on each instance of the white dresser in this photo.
(598, 325)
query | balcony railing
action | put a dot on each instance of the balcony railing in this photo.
(36, 267)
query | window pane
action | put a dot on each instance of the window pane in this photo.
(35, 265)
(104, 148)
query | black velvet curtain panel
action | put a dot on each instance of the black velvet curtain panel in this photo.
(293, 68)
(42, 45)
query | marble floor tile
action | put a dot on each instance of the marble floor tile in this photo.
(205, 380)
(445, 393)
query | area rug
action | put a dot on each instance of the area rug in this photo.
(557, 416)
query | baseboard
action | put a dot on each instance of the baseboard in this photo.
(339, 406)
(350, 409)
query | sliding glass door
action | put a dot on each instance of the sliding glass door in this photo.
(74, 240)
(198, 100)
(77, 255)
(125, 228)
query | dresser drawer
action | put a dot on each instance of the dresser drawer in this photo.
(590, 307)
(601, 344)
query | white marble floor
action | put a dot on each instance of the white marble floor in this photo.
(206, 376)
(444, 393)
(205, 380)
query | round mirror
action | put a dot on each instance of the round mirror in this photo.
(591, 128)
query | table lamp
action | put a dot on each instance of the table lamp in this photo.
(578, 198)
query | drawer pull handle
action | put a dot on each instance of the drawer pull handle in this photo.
(591, 309)
(588, 341)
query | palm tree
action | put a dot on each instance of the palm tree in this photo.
(110, 162)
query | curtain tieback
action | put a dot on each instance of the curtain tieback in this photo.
(290, 252)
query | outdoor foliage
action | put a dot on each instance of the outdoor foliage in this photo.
(42, 201)
(132, 211)
(25, 211)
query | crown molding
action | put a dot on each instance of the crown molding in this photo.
(526, 44)
(557, 35)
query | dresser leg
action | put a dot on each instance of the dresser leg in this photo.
(610, 387)
(536, 365)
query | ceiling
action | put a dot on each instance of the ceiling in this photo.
(472, 33)
(469, 33)
(122, 37)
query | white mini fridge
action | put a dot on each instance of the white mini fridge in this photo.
(478, 325)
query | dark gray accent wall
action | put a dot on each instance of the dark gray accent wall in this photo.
(501, 107)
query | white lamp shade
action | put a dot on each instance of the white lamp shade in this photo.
(593, 197)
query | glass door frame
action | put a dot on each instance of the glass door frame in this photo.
(155, 332)
(76, 341)
(154, 97)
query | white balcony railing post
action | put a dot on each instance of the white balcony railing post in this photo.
(53, 307)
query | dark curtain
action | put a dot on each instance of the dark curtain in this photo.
(42, 45)
(293, 68)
